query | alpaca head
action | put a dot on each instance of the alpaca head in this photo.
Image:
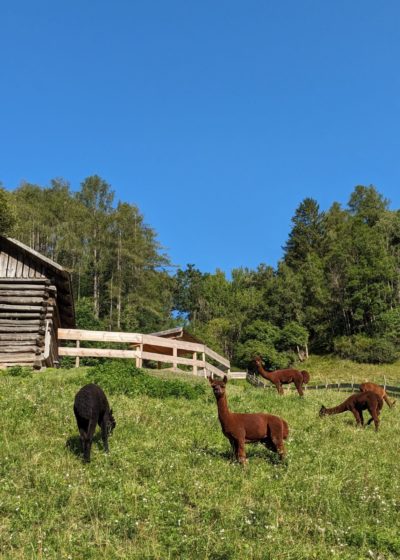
(218, 386)
(258, 361)
(322, 411)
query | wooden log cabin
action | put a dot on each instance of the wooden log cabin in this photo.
(35, 300)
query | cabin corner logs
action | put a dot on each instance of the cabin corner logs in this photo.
(35, 300)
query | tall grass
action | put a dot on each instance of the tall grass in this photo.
(168, 489)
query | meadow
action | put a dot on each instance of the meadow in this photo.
(169, 489)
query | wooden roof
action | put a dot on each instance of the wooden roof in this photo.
(19, 261)
(178, 332)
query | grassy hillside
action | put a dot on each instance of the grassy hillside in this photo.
(332, 369)
(168, 489)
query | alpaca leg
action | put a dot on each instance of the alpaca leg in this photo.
(277, 440)
(88, 441)
(234, 446)
(375, 418)
(82, 437)
(299, 389)
(357, 416)
(104, 435)
(241, 452)
(279, 388)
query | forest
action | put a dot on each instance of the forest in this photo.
(335, 290)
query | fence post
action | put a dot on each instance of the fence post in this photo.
(77, 357)
(174, 357)
(194, 369)
(203, 358)
(139, 360)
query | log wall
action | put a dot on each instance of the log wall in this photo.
(28, 321)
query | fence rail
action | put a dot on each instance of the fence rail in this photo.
(175, 352)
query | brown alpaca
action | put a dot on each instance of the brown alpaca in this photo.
(248, 428)
(356, 404)
(284, 376)
(380, 391)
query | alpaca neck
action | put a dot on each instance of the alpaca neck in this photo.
(336, 409)
(223, 410)
(263, 372)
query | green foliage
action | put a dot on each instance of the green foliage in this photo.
(389, 325)
(246, 351)
(306, 234)
(7, 217)
(363, 349)
(367, 204)
(19, 371)
(115, 260)
(263, 331)
(293, 335)
(272, 358)
(338, 278)
(85, 317)
(122, 377)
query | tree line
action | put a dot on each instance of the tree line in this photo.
(336, 288)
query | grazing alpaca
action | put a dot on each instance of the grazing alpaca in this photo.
(380, 391)
(248, 428)
(283, 376)
(356, 404)
(91, 408)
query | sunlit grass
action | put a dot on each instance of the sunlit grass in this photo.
(168, 488)
(330, 369)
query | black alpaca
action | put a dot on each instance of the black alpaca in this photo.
(91, 408)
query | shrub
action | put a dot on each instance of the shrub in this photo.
(122, 377)
(271, 357)
(292, 336)
(364, 349)
(388, 325)
(19, 371)
(263, 331)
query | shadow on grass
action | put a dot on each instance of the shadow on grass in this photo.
(73, 444)
(253, 451)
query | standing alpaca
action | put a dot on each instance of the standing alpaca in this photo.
(91, 408)
(380, 391)
(248, 428)
(283, 376)
(356, 404)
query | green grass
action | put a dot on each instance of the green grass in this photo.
(331, 369)
(168, 489)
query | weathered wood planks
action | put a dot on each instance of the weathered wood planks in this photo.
(26, 310)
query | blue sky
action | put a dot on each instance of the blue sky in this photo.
(216, 118)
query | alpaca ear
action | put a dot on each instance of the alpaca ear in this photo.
(225, 379)
(210, 380)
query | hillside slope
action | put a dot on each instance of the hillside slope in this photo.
(168, 488)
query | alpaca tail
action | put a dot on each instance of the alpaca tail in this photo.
(306, 376)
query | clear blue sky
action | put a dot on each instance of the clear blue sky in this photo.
(217, 118)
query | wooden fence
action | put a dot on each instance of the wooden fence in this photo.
(199, 358)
